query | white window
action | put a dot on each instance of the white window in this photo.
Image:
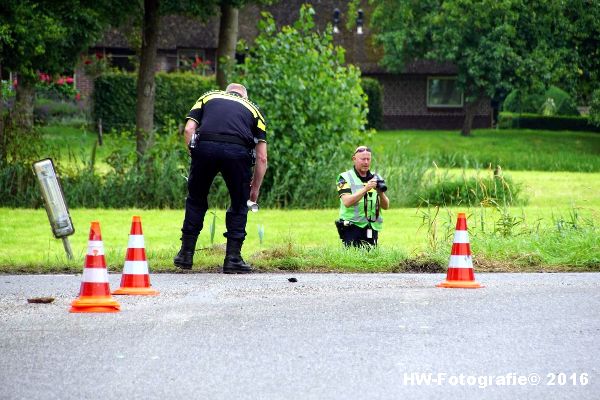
(444, 92)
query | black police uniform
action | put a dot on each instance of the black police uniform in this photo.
(229, 128)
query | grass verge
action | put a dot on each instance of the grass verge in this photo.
(514, 149)
(305, 240)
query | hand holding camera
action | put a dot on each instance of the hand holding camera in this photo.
(377, 183)
(380, 186)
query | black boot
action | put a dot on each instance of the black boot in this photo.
(185, 258)
(233, 263)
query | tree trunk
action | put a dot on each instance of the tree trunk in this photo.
(22, 114)
(470, 109)
(144, 110)
(228, 34)
(17, 128)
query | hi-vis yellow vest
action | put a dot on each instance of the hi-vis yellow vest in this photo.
(356, 213)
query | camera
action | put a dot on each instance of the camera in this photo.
(380, 186)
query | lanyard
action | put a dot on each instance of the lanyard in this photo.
(376, 208)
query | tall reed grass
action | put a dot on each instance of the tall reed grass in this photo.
(119, 180)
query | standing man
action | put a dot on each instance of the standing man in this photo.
(362, 197)
(223, 131)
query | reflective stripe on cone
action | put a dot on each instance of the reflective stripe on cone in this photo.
(136, 278)
(94, 293)
(460, 266)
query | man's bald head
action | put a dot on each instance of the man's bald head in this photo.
(237, 88)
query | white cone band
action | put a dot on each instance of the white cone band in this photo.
(98, 275)
(95, 248)
(461, 237)
(460, 262)
(135, 268)
(136, 242)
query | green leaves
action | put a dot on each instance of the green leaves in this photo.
(49, 36)
(496, 44)
(314, 106)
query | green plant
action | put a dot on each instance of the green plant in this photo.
(213, 227)
(443, 190)
(48, 111)
(595, 108)
(546, 122)
(7, 90)
(59, 88)
(95, 65)
(261, 233)
(314, 106)
(114, 97)
(554, 98)
(374, 92)
(506, 223)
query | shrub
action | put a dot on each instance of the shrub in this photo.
(59, 89)
(314, 106)
(552, 123)
(114, 97)
(374, 92)
(471, 191)
(519, 101)
(46, 111)
(595, 108)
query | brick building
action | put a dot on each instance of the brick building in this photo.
(423, 96)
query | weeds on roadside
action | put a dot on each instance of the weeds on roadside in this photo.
(571, 242)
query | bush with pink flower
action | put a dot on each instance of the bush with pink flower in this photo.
(55, 87)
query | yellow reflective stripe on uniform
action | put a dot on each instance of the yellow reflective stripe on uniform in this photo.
(240, 100)
(201, 101)
(261, 126)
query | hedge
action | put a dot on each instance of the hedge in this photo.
(115, 97)
(374, 92)
(552, 123)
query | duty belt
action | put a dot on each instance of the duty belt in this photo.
(213, 137)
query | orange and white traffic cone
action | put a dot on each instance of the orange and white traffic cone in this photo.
(135, 278)
(94, 296)
(460, 268)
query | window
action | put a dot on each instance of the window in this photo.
(443, 92)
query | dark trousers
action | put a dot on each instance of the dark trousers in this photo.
(355, 236)
(234, 162)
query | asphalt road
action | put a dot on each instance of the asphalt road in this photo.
(327, 336)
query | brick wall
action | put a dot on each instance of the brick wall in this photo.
(85, 85)
(405, 106)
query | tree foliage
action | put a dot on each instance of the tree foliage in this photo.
(45, 36)
(582, 33)
(553, 101)
(314, 106)
(48, 36)
(495, 44)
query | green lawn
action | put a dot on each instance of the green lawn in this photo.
(75, 146)
(556, 231)
(307, 239)
(513, 149)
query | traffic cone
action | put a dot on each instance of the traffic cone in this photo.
(94, 296)
(460, 268)
(135, 278)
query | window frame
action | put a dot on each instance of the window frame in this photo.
(454, 78)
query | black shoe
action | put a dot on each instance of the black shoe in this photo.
(236, 266)
(234, 263)
(185, 258)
